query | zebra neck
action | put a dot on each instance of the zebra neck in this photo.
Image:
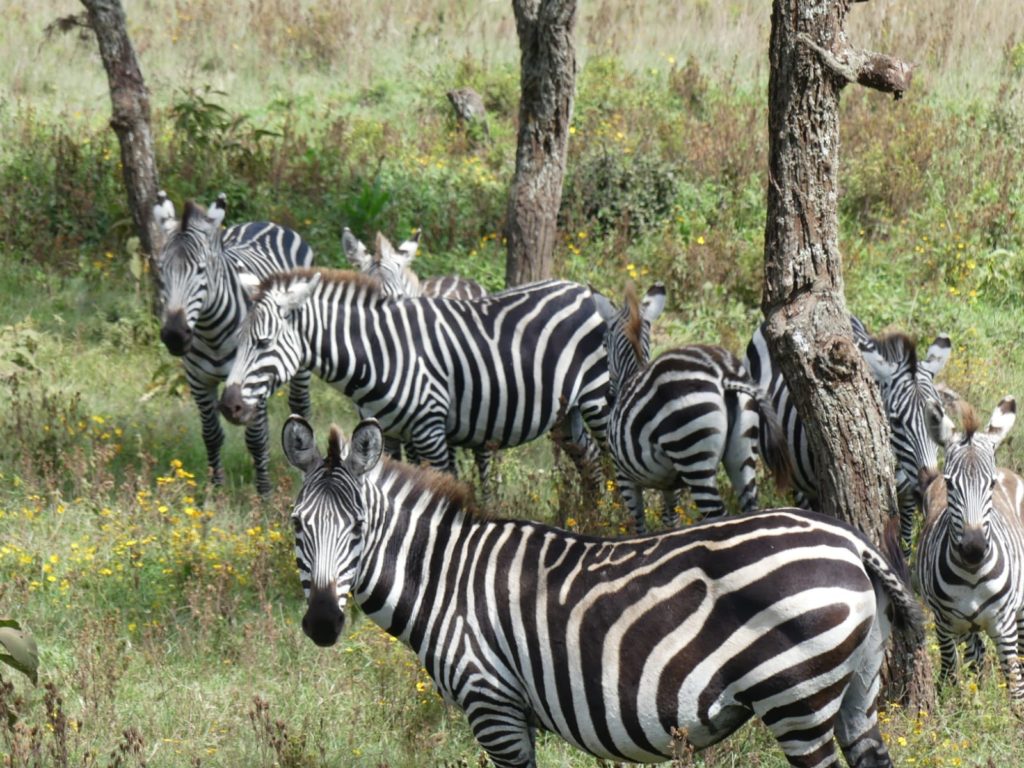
(413, 534)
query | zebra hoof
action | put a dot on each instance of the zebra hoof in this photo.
(217, 476)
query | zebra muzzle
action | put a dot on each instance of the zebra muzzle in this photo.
(973, 546)
(324, 618)
(233, 406)
(175, 333)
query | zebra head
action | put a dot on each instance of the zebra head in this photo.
(270, 351)
(627, 337)
(182, 273)
(388, 265)
(330, 518)
(907, 385)
(970, 473)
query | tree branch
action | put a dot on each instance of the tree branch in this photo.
(878, 71)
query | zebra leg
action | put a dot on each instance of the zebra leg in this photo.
(947, 653)
(570, 435)
(741, 465)
(670, 500)
(856, 726)
(1009, 662)
(257, 440)
(906, 495)
(806, 737)
(213, 435)
(633, 501)
(503, 732)
(429, 443)
(482, 459)
(298, 394)
(976, 651)
(703, 484)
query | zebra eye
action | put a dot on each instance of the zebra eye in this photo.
(297, 524)
(262, 342)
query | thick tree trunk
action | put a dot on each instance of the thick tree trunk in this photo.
(548, 81)
(131, 117)
(808, 327)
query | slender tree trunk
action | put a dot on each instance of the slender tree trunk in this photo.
(808, 329)
(548, 81)
(131, 117)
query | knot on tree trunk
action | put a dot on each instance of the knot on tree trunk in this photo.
(839, 360)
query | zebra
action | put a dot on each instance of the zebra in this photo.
(623, 647)
(970, 558)
(491, 373)
(906, 384)
(203, 276)
(397, 280)
(674, 420)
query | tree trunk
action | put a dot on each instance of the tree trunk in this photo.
(808, 327)
(547, 82)
(131, 117)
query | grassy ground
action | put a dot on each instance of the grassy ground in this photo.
(168, 615)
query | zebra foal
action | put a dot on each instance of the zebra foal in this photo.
(970, 559)
(674, 420)
(616, 645)
(203, 278)
(491, 373)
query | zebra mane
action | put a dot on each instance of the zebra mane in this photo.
(897, 347)
(969, 420)
(328, 277)
(427, 479)
(634, 324)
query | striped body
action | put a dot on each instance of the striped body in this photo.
(906, 384)
(203, 275)
(970, 559)
(613, 644)
(490, 373)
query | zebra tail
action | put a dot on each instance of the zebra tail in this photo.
(889, 569)
(777, 454)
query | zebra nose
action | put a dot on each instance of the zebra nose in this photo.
(323, 620)
(175, 333)
(973, 546)
(233, 407)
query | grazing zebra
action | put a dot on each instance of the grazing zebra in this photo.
(623, 647)
(491, 373)
(397, 280)
(673, 421)
(203, 276)
(970, 558)
(906, 384)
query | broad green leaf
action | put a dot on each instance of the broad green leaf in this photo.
(21, 652)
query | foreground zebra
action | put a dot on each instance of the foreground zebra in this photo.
(491, 373)
(906, 384)
(203, 277)
(673, 421)
(970, 559)
(620, 646)
(397, 280)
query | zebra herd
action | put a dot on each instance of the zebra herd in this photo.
(623, 646)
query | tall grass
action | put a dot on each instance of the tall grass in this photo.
(167, 612)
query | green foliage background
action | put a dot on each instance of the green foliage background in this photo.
(166, 615)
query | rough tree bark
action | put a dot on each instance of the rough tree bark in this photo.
(131, 117)
(547, 82)
(808, 327)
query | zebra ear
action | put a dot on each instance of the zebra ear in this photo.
(938, 354)
(653, 302)
(408, 249)
(250, 284)
(299, 445)
(218, 208)
(939, 425)
(297, 293)
(355, 251)
(366, 447)
(1003, 418)
(604, 305)
(883, 369)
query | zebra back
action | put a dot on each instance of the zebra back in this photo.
(617, 645)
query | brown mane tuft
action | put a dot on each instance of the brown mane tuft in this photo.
(897, 347)
(634, 324)
(424, 478)
(328, 277)
(969, 420)
(334, 444)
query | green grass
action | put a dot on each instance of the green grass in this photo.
(172, 616)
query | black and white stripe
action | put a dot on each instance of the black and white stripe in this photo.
(203, 277)
(906, 384)
(620, 646)
(970, 558)
(675, 420)
(491, 373)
